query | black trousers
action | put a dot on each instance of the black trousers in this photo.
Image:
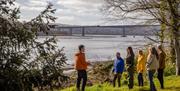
(160, 77)
(82, 75)
(131, 77)
(140, 79)
(117, 76)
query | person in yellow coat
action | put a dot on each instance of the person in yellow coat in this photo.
(140, 67)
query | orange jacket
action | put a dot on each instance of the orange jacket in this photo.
(80, 61)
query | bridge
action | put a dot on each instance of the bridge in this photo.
(123, 30)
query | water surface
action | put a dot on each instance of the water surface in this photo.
(100, 47)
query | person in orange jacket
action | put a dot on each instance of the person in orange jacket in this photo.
(80, 67)
(140, 67)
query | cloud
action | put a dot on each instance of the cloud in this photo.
(83, 5)
(86, 11)
(37, 3)
(34, 5)
(76, 12)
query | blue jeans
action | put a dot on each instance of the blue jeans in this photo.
(150, 76)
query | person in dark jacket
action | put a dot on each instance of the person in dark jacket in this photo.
(162, 57)
(130, 66)
(118, 69)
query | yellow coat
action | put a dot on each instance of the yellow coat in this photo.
(141, 64)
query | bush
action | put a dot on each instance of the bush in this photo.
(170, 66)
(170, 69)
(24, 61)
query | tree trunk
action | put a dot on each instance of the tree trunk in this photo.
(163, 28)
(177, 50)
(174, 12)
(163, 25)
(172, 51)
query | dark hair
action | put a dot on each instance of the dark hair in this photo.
(140, 51)
(80, 47)
(154, 52)
(118, 53)
(131, 53)
(160, 48)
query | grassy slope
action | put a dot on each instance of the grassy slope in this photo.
(172, 83)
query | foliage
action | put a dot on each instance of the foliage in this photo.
(163, 12)
(101, 72)
(170, 66)
(26, 62)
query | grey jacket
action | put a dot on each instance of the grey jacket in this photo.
(152, 63)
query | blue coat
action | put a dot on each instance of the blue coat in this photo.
(118, 65)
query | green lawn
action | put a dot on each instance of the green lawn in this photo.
(172, 83)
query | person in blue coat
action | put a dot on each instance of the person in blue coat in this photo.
(118, 69)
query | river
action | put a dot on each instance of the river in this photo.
(100, 47)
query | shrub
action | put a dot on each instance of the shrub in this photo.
(24, 61)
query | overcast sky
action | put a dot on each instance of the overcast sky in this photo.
(74, 12)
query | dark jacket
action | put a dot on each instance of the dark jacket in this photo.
(162, 57)
(130, 61)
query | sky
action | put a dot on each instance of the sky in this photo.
(72, 12)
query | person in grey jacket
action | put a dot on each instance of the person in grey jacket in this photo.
(152, 66)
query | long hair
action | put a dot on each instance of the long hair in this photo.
(160, 48)
(154, 52)
(130, 52)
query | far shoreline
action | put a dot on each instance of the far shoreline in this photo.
(68, 69)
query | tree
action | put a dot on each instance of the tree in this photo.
(164, 12)
(26, 62)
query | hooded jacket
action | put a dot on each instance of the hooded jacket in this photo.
(118, 65)
(141, 63)
(80, 61)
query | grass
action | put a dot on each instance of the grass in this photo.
(171, 83)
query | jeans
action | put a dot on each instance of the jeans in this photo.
(82, 75)
(160, 77)
(140, 79)
(131, 77)
(117, 76)
(150, 76)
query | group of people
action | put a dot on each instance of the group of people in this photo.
(154, 61)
